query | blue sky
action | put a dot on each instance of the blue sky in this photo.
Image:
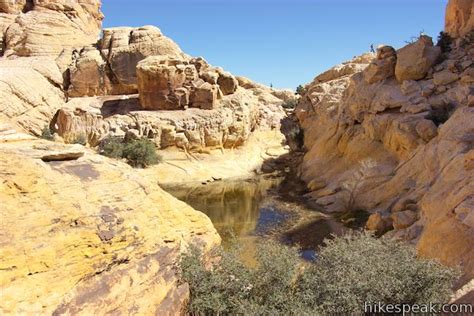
(283, 42)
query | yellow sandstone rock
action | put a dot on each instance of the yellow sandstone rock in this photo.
(89, 235)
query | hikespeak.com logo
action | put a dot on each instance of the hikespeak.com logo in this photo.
(407, 309)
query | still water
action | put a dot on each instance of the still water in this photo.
(245, 210)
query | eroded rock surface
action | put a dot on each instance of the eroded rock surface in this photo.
(88, 235)
(459, 17)
(49, 27)
(401, 149)
(30, 92)
(227, 126)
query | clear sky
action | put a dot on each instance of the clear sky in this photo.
(283, 42)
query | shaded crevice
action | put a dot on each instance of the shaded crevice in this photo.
(29, 5)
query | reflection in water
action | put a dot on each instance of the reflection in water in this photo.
(244, 210)
(233, 206)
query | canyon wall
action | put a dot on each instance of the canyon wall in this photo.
(392, 133)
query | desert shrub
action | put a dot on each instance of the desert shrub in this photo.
(359, 268)
(138, 152)
(300, 90)
(444, 42)
(290, 104)
(112, 147)
(141, 153)
(349, 271)
(46, 133)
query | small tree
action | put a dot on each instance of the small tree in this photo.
(300, 90)
(444, 42)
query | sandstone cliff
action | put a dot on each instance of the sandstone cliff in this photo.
(84, 234)
(393, 134)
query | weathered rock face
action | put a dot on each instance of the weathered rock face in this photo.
(227, 126)
(459, 17)
(30, 92)
(170, 83)
(164, 83)
(89, 236)
(414, 60)
(50, 27)
(113, 66)
(402, 150)
(383, 67)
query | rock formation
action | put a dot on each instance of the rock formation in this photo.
(49, 27)
(415, 59)
(399, 147)
(459, 17)
(30, 92)
(85, 234)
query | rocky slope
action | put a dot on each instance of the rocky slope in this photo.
(85, 234)
(392, 134)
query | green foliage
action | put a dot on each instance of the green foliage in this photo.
(138, 153)
(300, 90)
(141, 153)
(444, 42)
(350, 271)
(46, 133)
(290, 104)
(358, 268)
(112, 147)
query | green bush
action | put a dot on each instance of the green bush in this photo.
(138, 153)
(444, 42)
(141, 153)
(290, 104)
(112, 147)
(349, 271)
(46, 133)
(300, 90)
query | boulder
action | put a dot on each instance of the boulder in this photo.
(383, 66)
(51, 26)
(378, 224)
(416, 59)
(160, 77)
(459, 18)
(227, 83)
(427, 130)
(205, 96)
(444, 77)
(125, 47)
(404, 219)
